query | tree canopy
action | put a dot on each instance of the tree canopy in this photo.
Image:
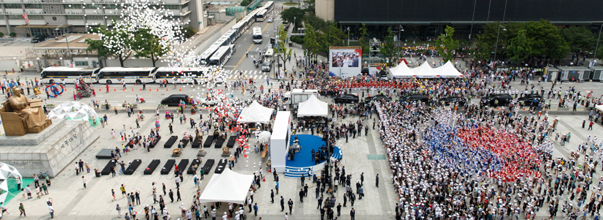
(446, 45)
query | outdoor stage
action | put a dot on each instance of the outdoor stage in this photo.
(303, 159)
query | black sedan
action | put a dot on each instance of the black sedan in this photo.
(497, 100)
(174, 100)
(453, 99)
(530, 98)
(346, 98)
(377, 97)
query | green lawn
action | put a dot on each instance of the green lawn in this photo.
(290, 3)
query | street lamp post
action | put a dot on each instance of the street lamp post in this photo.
(66, 41)
(498, 29)
(348, 36)
(598, 39)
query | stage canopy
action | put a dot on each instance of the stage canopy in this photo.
(7, 171)
(313, 107)
(255, 113)
(73, 111)
(599, 107)
(448, 71)
(425, 71)
(228, 186)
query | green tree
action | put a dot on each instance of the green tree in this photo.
(332, 36)
(450, 45)
(546, 39)
(579, 38)
(389, 49)
(281, 48)
(293, 15)
(148, 46)
(519, 47)
(188, 31)
(116, 42)
(311, 40)
(245, 3)
(363, 41)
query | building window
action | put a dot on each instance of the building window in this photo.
(33, 6)
(173, 7)
(15, 17)
(95, 17)
(81, 63)
(75, 17)
(35, 17)
(12, 5)
(112, 6)
(73, 6)
(185, 5)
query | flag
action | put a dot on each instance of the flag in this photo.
(25, 16)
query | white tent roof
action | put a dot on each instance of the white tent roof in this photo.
(599, 107)
(401, 71)
(313, 107)
(72, 111)
(228, 186)
(424, 71)
(447, 71)
(255, 113)
(7, 171)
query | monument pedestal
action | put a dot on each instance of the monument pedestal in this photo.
(49, 151)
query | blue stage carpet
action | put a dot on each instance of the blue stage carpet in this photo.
(304, 157)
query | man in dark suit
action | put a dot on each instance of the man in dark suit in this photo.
(355, 62)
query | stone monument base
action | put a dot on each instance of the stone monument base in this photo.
(49, 151)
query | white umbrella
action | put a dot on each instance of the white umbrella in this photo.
(264, 136)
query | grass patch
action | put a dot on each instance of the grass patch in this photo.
(290, 3)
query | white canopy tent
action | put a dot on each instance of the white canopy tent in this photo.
(228, 186)
(6, 172)
(401, 71)
(425, 71)
(255, 113)
(448, 71)
(313, 107)
(599, 107)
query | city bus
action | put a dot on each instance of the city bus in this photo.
(257, 35)
(181, 74)
(221, 56)
(68, 75)
(269, 6)
(261, 15)
(117, 75)
(204, 59)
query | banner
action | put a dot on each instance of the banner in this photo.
(345, 60)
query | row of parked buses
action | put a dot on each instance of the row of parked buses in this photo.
(116, 75)
(214, 57)
(218, 54)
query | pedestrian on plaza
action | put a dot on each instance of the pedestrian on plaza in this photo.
(301, 195)
(282, 203)
(178, 195)
(255, 209)
(352, 214)
(118, 208)
(377, 181)
(290, 203)
(338, 209)
(22, 210)
(84, 181)
(276, 187)
(51, 211)
(113, 194)
(171, 194)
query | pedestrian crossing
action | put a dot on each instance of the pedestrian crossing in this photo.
(244, 74)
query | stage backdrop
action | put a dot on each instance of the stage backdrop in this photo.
(345, 61)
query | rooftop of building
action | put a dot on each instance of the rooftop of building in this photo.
(76, 41)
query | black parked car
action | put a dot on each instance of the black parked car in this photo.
(377, 97)
(453, 99)
(346, 98)
(38, 39)
(174, 100)
(497, 100)
(417, 98)
(530, 98)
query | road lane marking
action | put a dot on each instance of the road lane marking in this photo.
(248, 49)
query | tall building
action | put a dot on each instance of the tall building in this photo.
(53, 17)
(425, 19)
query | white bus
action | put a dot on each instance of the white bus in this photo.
(221, 56)
(269, 6)
(261, 15)
(257, 35)
(181, 74)
(116, 75)
(68, 75)
(204, 59)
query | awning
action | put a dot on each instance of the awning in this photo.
(228, 186)
(43, 26)
(253, 4)
(230, 11)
